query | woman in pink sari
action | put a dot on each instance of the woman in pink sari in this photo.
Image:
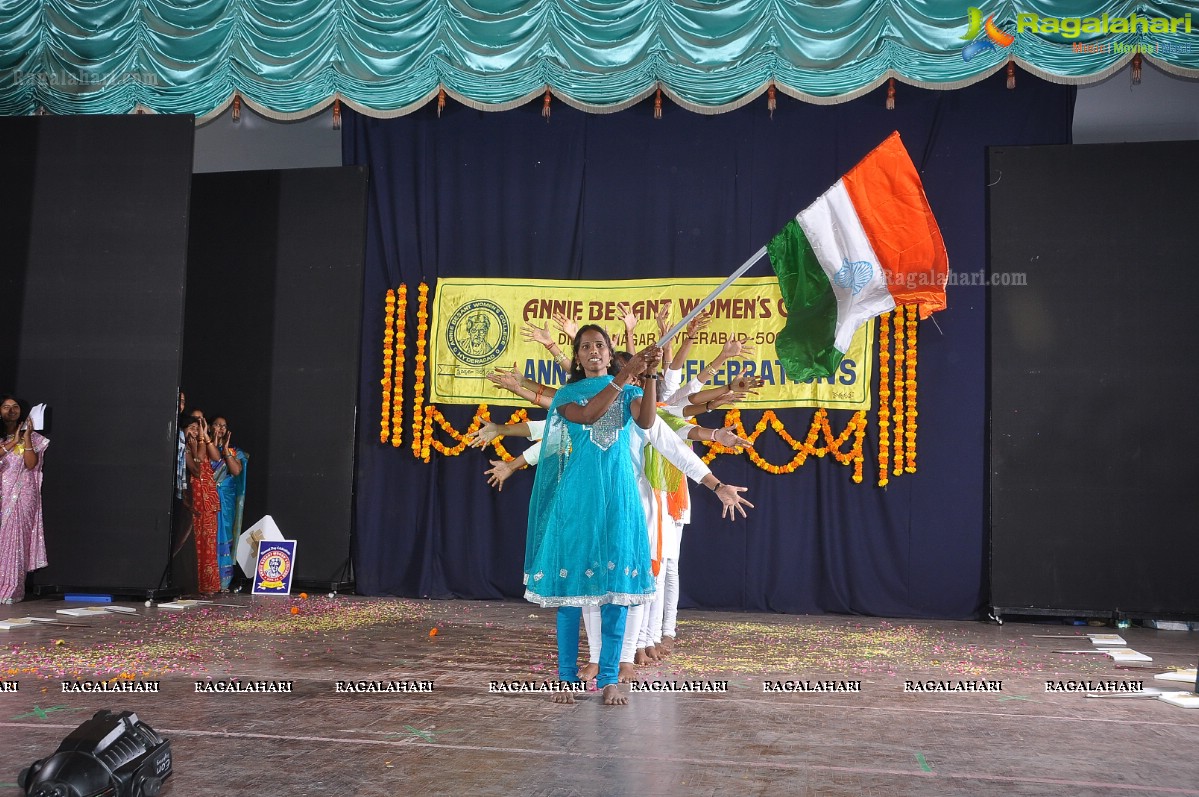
(22, 542)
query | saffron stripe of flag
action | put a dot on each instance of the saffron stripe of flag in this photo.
(868, 243)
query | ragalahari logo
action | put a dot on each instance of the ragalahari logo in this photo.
(994, 36)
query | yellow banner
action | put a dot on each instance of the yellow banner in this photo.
(476, 327)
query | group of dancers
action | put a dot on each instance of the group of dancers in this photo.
(610, 496)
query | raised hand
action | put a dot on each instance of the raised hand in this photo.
(566, 326)
(627, 316)
(531, 331)
(663, 318)
(736, 348)
(699, 322)
(748, 384)
(485, 434)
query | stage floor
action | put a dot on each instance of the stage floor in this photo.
(854, 731)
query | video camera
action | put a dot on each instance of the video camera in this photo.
(110, 755)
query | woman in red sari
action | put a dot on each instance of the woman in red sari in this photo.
(206, 503)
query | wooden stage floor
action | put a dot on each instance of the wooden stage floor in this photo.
(463, 738)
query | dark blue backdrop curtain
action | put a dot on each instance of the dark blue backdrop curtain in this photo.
(625, 196)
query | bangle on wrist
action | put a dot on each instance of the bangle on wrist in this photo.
(717, 487)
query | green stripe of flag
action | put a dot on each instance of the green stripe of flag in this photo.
(805, 345)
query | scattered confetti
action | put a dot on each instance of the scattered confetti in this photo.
(834, 647)
(200, 641)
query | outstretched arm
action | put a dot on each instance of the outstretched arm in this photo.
(489, 431)
(734, 348)
(717, 397)
(542, 335)
(630, 320)
(723, 436)
(533, 392)
(663, 321)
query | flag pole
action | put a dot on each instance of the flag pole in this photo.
(699, 308)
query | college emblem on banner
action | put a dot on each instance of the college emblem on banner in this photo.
(276, 559)
(477, 332)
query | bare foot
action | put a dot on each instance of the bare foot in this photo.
(641, 658)
(564, 698)
(628, 672)
(588, 671)
(666, 646)
(613, 697)
(651, 653)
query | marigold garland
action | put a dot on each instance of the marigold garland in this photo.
(856, 428)
(897, 397)
(820, 425)
(389, 309)
(426, 432)
(434, 416)
(910, 412)
(884, 395)
(397, 400)
(419, 422)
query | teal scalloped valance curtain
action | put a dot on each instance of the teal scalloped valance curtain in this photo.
(290, 58)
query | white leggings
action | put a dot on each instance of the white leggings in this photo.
(670, 597)
(632, 629)
(651, 624)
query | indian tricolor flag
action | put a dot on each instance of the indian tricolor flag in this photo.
(867, 244)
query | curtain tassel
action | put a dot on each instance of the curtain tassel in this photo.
(440, 102)
(658, 103)
(545, 106)
(891, 94)
(337, 114)
(1011, 74)
(771, 103)
(236, 114)
(1136, 69)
